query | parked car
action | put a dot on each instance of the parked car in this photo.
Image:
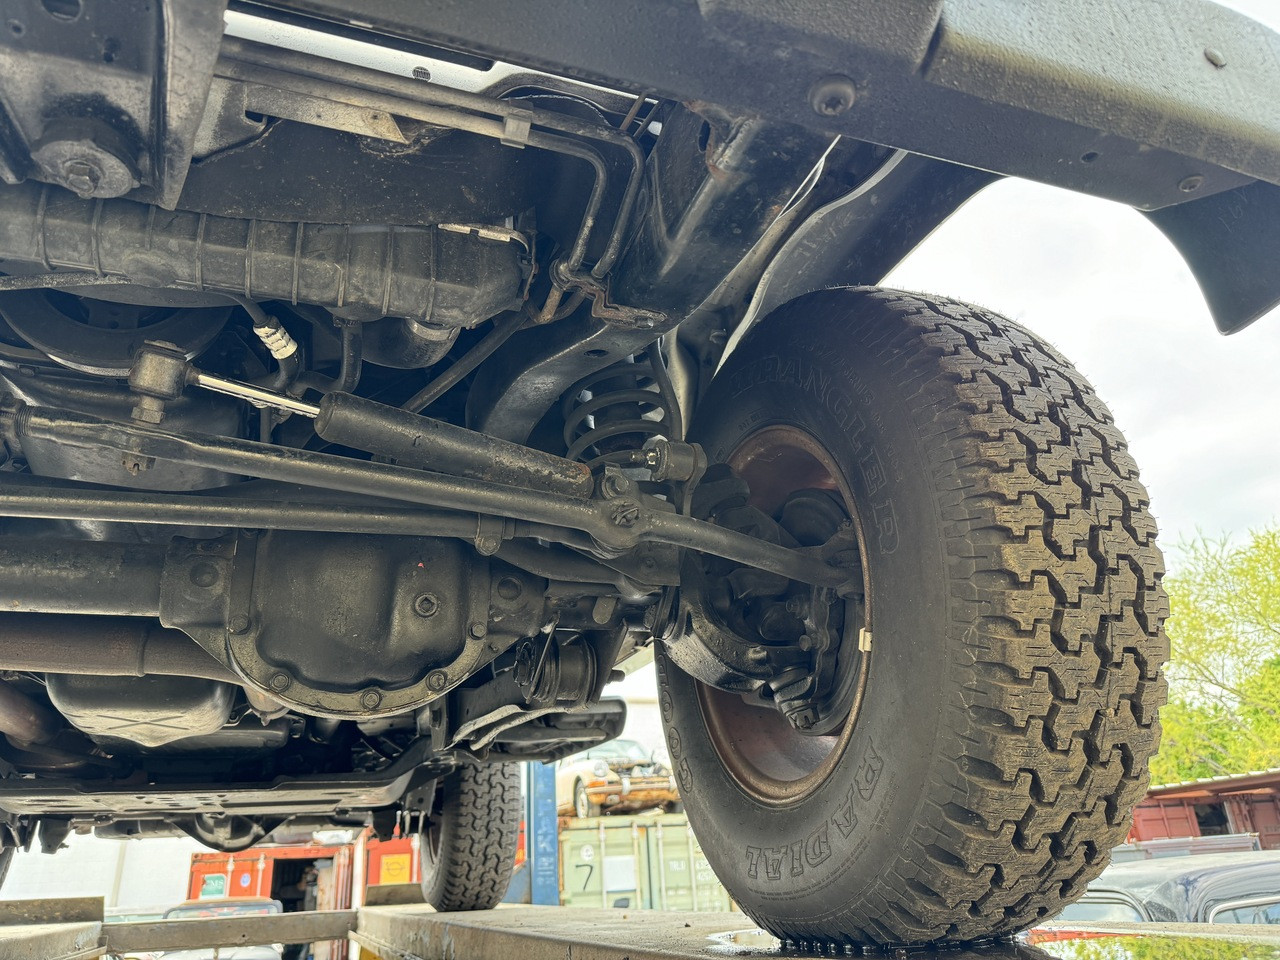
(226, 907)
(617, 777)
(1208, 888)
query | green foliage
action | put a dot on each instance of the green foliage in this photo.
(1223, 715)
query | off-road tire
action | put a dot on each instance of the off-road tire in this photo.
(478, 827)
(1014, 681)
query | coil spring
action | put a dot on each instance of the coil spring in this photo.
(609, 414)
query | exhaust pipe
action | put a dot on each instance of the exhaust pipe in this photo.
(25, 721)
(103, 647)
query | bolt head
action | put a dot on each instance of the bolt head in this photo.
(370, 699)
(81, 175)
(614, 485)
(87, 156)
(238, 624)
(478, 630)
(831, 96)
(437, 680)
(204, 574)
(280, 682)
(426, 605)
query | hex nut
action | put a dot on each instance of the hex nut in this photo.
(614, 485)
(148, 410)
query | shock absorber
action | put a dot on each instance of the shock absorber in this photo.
(609, 415)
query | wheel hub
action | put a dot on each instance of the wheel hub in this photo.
(781, 666)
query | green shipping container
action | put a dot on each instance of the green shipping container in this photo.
(679, 876)
(604, 863)
(642, 862)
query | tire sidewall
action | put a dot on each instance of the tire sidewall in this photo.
(781, 863)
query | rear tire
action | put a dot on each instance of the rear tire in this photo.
(582, 805)
(1015, 610)
(469, 849)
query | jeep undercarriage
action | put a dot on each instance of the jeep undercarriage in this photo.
(370, 402)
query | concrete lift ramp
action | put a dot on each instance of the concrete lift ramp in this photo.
(555, 933)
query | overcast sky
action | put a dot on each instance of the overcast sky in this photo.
(1101, 284)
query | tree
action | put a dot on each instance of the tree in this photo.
(1223, 715)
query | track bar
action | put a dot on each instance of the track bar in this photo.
(128, 506)
(618, 524)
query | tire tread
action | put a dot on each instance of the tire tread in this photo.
(480, 821)
(1056, 588)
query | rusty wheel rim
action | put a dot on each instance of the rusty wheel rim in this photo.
(768, 758)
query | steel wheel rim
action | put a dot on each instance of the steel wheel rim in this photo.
(771, 761)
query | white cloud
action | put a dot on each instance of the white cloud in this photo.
(1101, 284)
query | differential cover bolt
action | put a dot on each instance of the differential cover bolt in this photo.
(279, 682)
(370, 699)
(436, 680)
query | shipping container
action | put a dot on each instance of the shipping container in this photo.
(603, 863)
(679, 876)
(1159, 819)
(393, 861)
(643, 862)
